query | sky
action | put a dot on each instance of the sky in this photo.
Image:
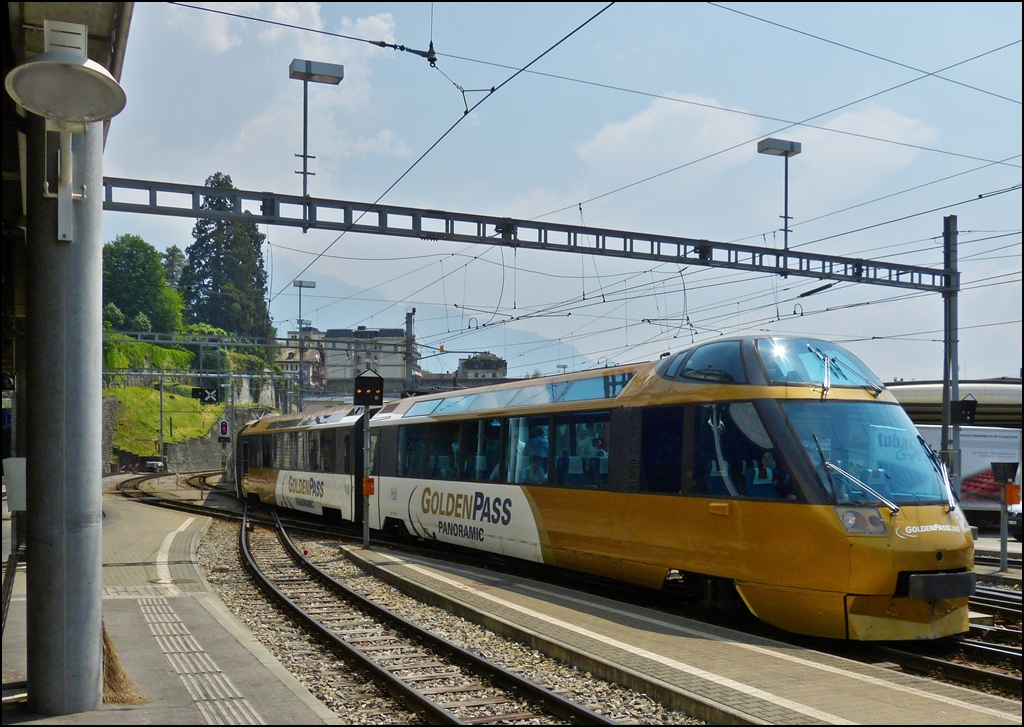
(644, 119)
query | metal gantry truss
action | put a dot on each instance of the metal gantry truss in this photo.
(184, 200)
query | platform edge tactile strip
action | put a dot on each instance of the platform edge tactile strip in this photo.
(217, 698)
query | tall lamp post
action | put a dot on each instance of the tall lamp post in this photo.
(300, 284)
(316, 72)
(64, 92)
(785, 149)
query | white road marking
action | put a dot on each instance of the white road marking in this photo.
(163, 570)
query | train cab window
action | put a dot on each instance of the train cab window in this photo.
(527, 450)
(580, 456)
(733, 455)
(719, 362)
(480, 459)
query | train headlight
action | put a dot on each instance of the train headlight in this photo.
(861, 520)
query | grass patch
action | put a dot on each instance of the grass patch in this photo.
(138, 419)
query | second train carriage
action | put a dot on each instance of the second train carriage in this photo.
(780, 466)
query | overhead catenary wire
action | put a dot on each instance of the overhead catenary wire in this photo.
(934, 74)
(454, 125)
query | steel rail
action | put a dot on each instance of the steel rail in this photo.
(399, 690)
(995, 634)
(557, 704)
(993, 559)
(1005, 683)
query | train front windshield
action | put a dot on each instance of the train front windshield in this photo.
(865, 449)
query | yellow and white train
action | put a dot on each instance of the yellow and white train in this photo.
(780, 467)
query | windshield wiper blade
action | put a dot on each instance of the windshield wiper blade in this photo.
(832, 362)
(826, 379)
(893, 507)
(824, 463)
(876, 390)
(943, 473)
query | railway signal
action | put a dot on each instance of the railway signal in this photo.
(206, 396)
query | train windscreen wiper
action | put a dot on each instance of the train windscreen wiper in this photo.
(943, 473)
(893, 507)
(832, 362)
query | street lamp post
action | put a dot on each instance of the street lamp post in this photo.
(300, 284)
(317, 72)
(785, 149)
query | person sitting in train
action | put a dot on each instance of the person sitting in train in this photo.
(534, 474)
(538, 444)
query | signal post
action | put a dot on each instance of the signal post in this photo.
(367, 392)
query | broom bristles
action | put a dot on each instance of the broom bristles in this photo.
(118, 686)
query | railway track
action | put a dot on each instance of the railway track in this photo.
(988, 645)
(1008, 684)
(431, 676)
(1014, 561)
(1000, 602)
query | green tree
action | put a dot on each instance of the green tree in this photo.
(113, 315)
(134, 282)
(224, 282)
(174, 262)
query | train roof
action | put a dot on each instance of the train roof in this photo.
(329, 416)
(636, 384)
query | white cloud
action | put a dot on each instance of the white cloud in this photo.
(215, 33)
(666, 133)
(383, 142)
(836, 168)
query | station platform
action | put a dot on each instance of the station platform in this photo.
(192, 660)
(714, 673)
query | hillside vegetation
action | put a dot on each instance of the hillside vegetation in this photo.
(138, 419)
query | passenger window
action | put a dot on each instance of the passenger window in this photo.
(580, 457)
(329, 450)
(313, 446)
(372, 464)
(443, 452)
(481, 450)
(526, 456)
(734, 456)
(266, 444)
(300, 450)
(412, 451)
(716, 362)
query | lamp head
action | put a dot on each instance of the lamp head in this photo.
(779, 147)
(316, 71)
(66, 86)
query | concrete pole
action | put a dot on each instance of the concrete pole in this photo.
(409, 314)
(366, 476)
(65, 353)
(950, 445)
